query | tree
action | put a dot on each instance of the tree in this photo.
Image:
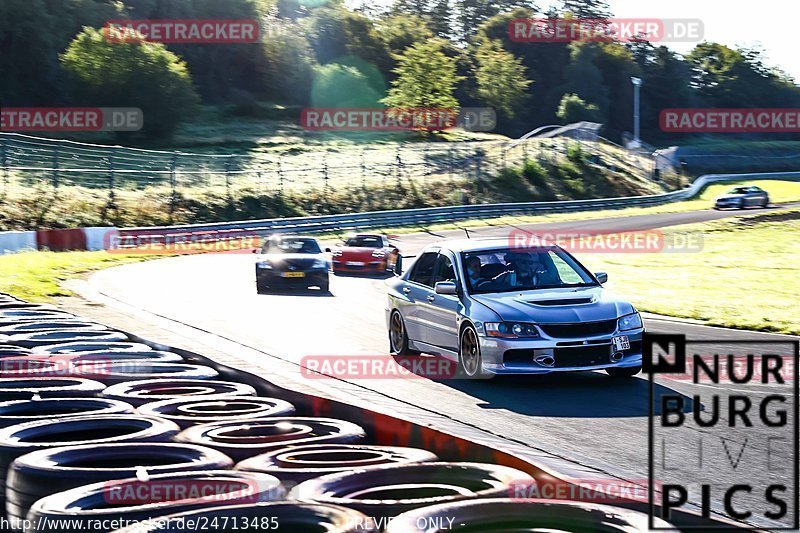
(401, 31)
(336, 32)
(574, 109)
(338, 85)
(617, 65)
(667, 79)
(440, 19)
(137, 74)
(286, 70)
(32, 34)
(426, 78)
(500, 77)
(725, 77)
(584, 78)
(544, 62)
(587, 9)
(24, 33)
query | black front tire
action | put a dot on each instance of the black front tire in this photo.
(398, 336)
(470, 360)
(623, 372)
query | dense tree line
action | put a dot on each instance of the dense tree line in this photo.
(320, 53)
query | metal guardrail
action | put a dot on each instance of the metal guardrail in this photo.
(421, 217)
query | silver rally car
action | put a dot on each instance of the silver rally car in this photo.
(500, 309)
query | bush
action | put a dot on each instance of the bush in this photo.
(535, 173)
(132, 74)
(573, 108)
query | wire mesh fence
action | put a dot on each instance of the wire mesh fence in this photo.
(113, 179)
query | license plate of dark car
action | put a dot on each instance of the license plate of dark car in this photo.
(621, 343)
(293, 274)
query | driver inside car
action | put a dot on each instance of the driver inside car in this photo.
(528, 271)
(473, 266)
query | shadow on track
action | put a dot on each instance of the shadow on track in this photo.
(368, 275)
(310, 293)
(574, 395)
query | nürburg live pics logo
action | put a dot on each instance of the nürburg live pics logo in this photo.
(723, 439)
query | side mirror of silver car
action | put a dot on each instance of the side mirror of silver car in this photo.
(602, 277)
(446, 287)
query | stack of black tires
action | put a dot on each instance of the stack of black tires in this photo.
(102, 433)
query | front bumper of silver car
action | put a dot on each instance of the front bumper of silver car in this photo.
(548, 355)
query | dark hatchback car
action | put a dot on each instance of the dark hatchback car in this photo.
(742, 197)
(288, 261)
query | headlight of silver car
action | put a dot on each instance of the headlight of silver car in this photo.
(511, 330)
(628, 322)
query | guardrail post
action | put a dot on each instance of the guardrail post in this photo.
(478, 161)
(398, 166)
(4, 164)
(56, 164)
(228, 166)
(450, 162)
(112, 197)
(363, 170)
(280, 176)
(325, 178)
(173, 183)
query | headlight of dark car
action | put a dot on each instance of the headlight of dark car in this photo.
(511, 330)
(320, 264)
(628, 322)
(264, 264)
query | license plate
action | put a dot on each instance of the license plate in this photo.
(355, 264)
(621, 343)
(293, 274)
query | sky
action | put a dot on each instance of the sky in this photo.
(770, 26)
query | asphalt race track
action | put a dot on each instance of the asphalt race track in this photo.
(585, 417)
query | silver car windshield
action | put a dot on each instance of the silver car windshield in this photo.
(509, 270)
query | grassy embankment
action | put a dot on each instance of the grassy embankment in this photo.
(747, 276)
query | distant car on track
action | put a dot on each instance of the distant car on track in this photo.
(289, 261)
(495, 309)
(366, 252)
(742, 197)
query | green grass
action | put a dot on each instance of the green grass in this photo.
(747, 275)
(779, 191)
(36, 276)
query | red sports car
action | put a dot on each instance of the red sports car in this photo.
(366, 253)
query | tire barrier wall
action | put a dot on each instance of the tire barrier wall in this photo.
(444, 474)
(56, 240)
(386, 430)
